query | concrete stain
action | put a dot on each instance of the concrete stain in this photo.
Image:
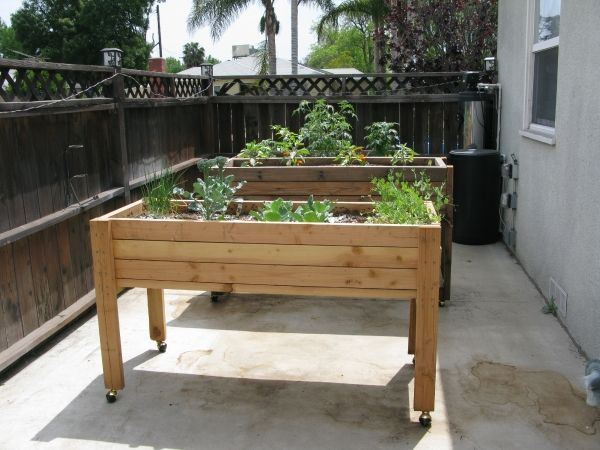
(542, 394)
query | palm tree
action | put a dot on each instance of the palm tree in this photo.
(374, 10)
(323, 4)
(219, 14)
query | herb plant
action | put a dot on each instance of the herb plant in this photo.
(158, 192)
(400, 203)
(429, 192)
(282, 211)
(216, 191)
(255, 151)
(290, 145)
(326, 130)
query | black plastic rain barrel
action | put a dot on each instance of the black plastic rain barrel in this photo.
(477, 186)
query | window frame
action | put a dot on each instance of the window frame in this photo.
(530, 129)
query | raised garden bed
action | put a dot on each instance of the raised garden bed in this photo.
(325, 179)
(361, 260)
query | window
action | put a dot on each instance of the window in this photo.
(545, 65)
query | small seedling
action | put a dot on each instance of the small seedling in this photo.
(550, 307)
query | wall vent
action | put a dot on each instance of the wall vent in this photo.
(560, 297)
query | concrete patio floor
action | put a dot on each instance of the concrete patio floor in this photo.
(267, 372)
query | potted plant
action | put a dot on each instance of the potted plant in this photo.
(365, 260)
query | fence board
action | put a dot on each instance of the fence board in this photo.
(421, 128)
(251, 121)
(225, 129)
(264, 121)
(27, 305)
(238, 127)
(11, 329)
(407, 120)
(436, 128)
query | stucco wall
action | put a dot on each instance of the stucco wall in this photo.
(558, 215)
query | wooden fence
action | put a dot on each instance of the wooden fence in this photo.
(63, 162)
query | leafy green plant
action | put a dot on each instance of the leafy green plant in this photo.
(255, 151)
(290, 145)
(429, 192)
(382, 138)
(282, 211)
(550, 307)
(400, 202)
(326, 130)
(157, 193)
(351, 155)
(216, 191)
(403, 154)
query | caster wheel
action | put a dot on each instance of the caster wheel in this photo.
(442, 303)
(214, 296)
(162, 346)
(413, 360)
(111, 396)
(425, 419)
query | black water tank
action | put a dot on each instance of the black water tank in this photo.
(477, 186)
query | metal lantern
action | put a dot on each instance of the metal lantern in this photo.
(112, 57)
(490, 63)
(206, 70)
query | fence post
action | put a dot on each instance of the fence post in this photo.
(121, 161)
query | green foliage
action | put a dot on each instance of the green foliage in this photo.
(255, 151)
(282, 211)
(400, 202)
(9, 42)
(382, 138)
(210, 59)
(428, 192)
(174, 65)
(350, 156)
(193, 54)
(326, 130)
(350, 45)
(550, 307)
(289, 146)
(215, 191)
(158, 192)
(404, 154)
(76, 31)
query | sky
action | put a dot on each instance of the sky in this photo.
(173, 18)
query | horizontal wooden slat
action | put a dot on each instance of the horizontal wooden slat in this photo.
(364, 235)
(285, 255)
(331, 173)
(307, 187)
(390, 294)
(368, 278)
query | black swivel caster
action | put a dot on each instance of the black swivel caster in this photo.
(214, 296)
(162, 346)
(111, 396)
(425, 419)
(442, 303)
(413, 360)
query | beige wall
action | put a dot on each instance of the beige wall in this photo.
(558, 215)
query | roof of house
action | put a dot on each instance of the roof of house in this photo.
(342, 71)
(248, 65)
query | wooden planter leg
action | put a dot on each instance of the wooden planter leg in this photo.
(411, 327)
(106, 304)
(156, 318)
(426, 322)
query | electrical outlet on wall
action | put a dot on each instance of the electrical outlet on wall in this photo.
(558, 294)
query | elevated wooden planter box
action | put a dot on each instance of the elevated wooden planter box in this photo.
(395, 262)
(324, 179)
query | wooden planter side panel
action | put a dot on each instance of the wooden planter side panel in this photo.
(347, 184)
